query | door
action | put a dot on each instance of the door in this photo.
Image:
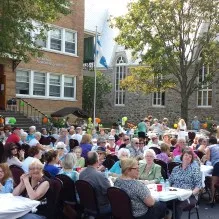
(2, 87)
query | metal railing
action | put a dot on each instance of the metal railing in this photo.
(29, 111)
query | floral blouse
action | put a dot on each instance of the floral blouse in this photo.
(188, 178)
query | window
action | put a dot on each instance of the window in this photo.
(39, 84)
(22, 82)
(56, 39)
(121, 71)
(159, 99)
(205, 93)
(69, 42)
(54, 86)
(69, 87)
(45, 85)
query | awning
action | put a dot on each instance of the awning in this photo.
(70, 110)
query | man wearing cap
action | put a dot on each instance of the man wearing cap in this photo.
(15, 137)
(195, 125)
(101, 151)
(98, 180)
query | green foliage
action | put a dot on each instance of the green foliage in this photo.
(103, 88)
(175, 38)
(57, 122)
(16, 24)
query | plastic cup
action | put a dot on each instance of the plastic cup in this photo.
(78, 169)
(159, 187)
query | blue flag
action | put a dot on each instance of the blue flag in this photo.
(101, 59)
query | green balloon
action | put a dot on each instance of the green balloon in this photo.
(22, 103)
(12, 121)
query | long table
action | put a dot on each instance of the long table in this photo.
(205, 171)
(13, 207)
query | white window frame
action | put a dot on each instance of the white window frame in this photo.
(205, 89)
(29, 82)
(56, 85)
(34, 82)
(121, 67)
(157, 96)
(63, 31)
(47, 84)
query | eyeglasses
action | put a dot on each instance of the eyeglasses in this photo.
(126, 139)
(136, 142)
(35, 168)
(134, 168)
(60, 148)
(103, 142)
(141, 143)
(13, 148)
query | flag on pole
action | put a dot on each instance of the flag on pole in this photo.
(100, 58)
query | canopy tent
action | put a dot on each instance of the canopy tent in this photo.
(70, 110)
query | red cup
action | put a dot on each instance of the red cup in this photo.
(159, 187)
(78, 169)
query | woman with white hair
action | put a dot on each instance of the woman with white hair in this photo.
(116, 168)
(35, 141)
(149, 172)
(67, 166)
(61, 148)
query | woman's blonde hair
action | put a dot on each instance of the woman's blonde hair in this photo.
(127, 163)
(86, 139)
(36, 163)
(164, 147)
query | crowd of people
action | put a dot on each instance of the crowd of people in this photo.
(130, 160)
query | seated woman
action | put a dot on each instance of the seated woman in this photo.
(149, 172)
(143, 204)
(116, 168)
(61, 148)
(186, 176)
(34, 186)
(165, 153)
(67, 166)
(51, 158)
(80, 161)
(6, 181)
(12, 155)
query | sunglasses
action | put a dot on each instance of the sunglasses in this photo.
(13, 148)
(137, 143)
(60, 148)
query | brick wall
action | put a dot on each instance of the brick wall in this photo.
(56, 63)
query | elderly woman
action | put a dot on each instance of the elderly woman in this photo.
(35, 186)
(116, 168)
(186, 176)
(67, 166)
(6, 181)
(212, 155)
(149, 172)
(35, 141)
(134, 149)
(143, 204)
(61, 148)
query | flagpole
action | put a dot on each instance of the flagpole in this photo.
(95, 78)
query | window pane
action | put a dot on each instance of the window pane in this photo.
(22, 82)
(70, 47)
(209, 98)
(54, 88)
(39, 86)
(69, 92)
(55, 39)
(69, 36)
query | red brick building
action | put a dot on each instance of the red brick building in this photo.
(53, 81)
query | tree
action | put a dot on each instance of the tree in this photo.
(174, 39)
(18, 18)
(103, 87)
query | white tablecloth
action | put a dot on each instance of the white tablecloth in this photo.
(12, 207)
(205, 171)
(180, 194)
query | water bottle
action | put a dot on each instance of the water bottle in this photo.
(162, 182)
(167, 185)
(106, 173)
